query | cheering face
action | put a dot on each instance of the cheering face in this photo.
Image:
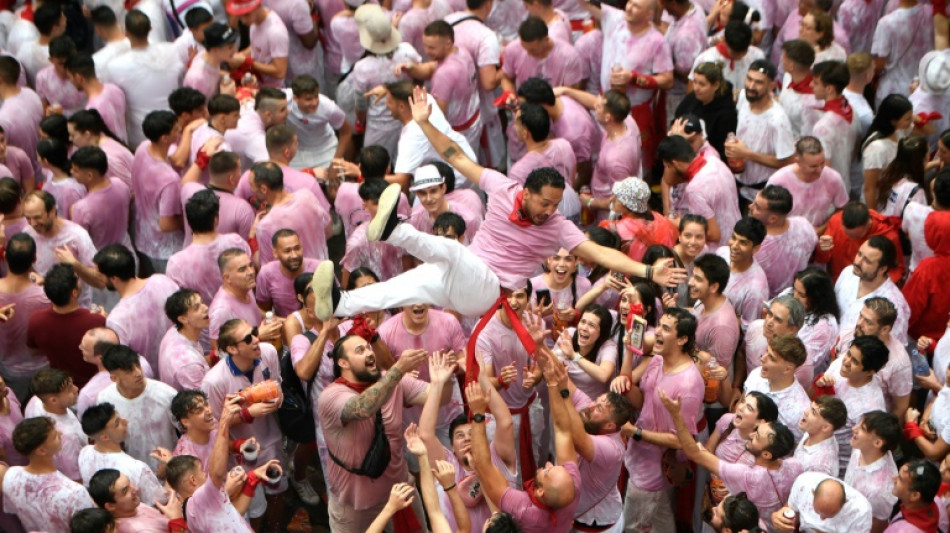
(741, 249)
(588, 330)
(747, 413)
(562, 266)
(812, 420)
(289, 252)
(359, 355)
(432, 198)
(462, 442)
(541, 205)
(416, 315)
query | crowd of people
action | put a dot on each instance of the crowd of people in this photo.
(482, 265)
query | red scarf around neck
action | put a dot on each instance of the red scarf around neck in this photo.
(924, 518)
(840, 107)
(517, 216)
(358, 387)
(695, 167)
(726, 53)
(529, 488)
(803, 86)
(944, 489)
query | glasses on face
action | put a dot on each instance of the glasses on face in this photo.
(249, 337)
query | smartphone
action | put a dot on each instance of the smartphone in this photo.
(637, 327)
(618, 276)
(543, 296)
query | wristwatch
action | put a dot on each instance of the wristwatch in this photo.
(565, 393)
(638, 435)
(576, 358)
(478, 418)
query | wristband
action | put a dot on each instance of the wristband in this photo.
(202, 159)
(246, 416)
(638, 435)
(250, 485)
(177, 525)
(912, 431)
(649, 272)
(565, 393)
(649, 82)
(478, 418)
(450, 487)
(236, 445)
(502, 384)
(252, 244)
(248, 63)
(589, 201)
(359, 126)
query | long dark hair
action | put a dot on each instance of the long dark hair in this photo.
(909, 162)
(893, 107)
(89, 120)
(55, 153)
(820, 291)
(606, 328)
(357, 274)
(766, 408)
(607, 239)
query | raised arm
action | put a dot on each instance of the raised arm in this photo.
(365, 405)
(493, 482)
(430, 497)
(504, 425)
(688, 444)
(662, 272)
(218, 462)
(556, 377)
(447, 148)
(430, 414)
(308, 365)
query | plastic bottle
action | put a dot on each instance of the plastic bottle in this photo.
(260, 392)
(559, 325)
(920, 365)
(587, 214)
(278, 343)
(712, 385)
(736, 164)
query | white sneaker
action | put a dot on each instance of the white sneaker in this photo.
(305, 492)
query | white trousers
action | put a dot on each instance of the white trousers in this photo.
(451, 276)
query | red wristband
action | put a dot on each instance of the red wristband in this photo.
(250, 485)
(177, 525)
(246, 416)
(202, 159)
(309, 171)
(248, 63)
(359, 127)
(236, 445)
(912, 431)
(822, 391)
(649, 82)
(252, 244)
(502, 384)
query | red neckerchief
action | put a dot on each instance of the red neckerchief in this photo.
(724, 50)
(840, 107)
(695, 167)
(529, 488)
(358, 387)
(517, 211)
(944, 489)
(802, 87)
(27, 12)
(924, 518)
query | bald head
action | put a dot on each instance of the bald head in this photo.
(829, 498)
(95, 342)
(555, 486)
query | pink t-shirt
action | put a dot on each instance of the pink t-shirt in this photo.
(56, 90)
(202, 76)
(350, 442)
(43, 502)
(647, 53)
(67, 459)
(269, 41)
(347, 34)
(275, 287)
(791, 401)
(800, 107)
(687, 39)
(155, 185)
(731, 448)
(480, 512)
(562, 66)
(209, 509)
(199, 137)
(181, 361)
(66, 192)
(349, 206)
(7, 423)
(422, 221)
(147, 519)
(584, 381)
(17, 359)
(859, 19)
(767, 489)
(600, 498)
(455, 80)
(72, 236)
(821, 457)
(139, 319)
(896, 378)
(20, 165)
(473, 36)
(769, 132)
(501, 347)
(414, 21)
(781, 256)
(247, 139)
(139, 473)
(618, 160)
(814, 201)
(297, 18)
(110, 104)
(875, 481)
(838, 137)
(746, 290)
(186, 446)
(372, 70)
(226, 306)
(717, 332)
(235, 215)
(514, 252)
(328, 10)
(712, 194)
(19, 116)
(559, 154)
(642, 458)
(301, 213)
(121, 161)
(534, 519)
(294, 180)
(859, 400)
(88, 212)
(903, 37)
(196, 267)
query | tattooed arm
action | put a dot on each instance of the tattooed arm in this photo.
(448, 149)
(372, 399)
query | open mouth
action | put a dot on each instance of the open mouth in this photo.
(370, 363)
(418, 312)
(583, 336)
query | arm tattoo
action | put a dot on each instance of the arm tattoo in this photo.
(372, 399)
(449, 152)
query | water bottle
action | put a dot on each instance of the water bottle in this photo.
(268, 318)
(736, 164)
(919, 364)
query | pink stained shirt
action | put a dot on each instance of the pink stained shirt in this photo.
(821, 457)
(17, 359)
(712, 194)
(199, 137)
(442, 333)
(577, 126)
(414, 21)
(859, 19)
(422, 221)
(590, 47)
(209, 509)
(66, 192)
(88, 212)
(562, 66)
(455, 81)
(584, 381)
(328, 10)
(139, 473)
(814, 201)
(372, 70)
(781, 256)
(7, 423)
(875, 481)
(72, 236)
(67, 459)
(147, 519)
(235, 215)
(110, 104)
(854, 516)
(226, 306)
(859, 400)
(156, 189)
(294, 180)
(642, 458)
(196, 267)
(473, 36)
(139, 319)
(560, 27)
(44, 502)
(480, 512)
(202, 76)
(618, 159)
(903, 37)
(534, 519)
(896, 378)
(687, 39)
(746, 290)
(349, 442)
(316, 132)
(600, 498)
(181, 361)
(838, 137)
(88, 395)
(19, 116)
(247, 139)
(186, 446)
(769, 132)
(767, 489)
(276, 288)
(121, 161)
(56, 90)
(346, 32)
(269, 41)
(511, 251)
(648, 53)
(801, 108)
(717, 332)
(297, 18)
(731, 448)
(558, 154)
(501, 347)
(790, 30)
(756, 345)
(349, 206)
(846, 292)
(20, 165)
(301, 213)
(791, 401)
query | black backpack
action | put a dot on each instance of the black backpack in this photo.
(295, 416)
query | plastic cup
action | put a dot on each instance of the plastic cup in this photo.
(250, 450)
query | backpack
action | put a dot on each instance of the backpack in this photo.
(295, 415)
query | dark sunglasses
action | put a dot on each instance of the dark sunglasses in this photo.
(249, 337)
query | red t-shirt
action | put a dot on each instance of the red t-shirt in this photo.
(58, 337)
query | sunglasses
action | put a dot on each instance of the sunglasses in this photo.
(249, 337)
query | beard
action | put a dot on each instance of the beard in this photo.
(367, 376)
(594, 428)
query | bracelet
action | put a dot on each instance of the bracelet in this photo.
(250, 485)
(450, 487)
(246, 416)
(649, 272)
(248, 62)
(565, 393)
(912, 431)
(236, 445)
(502, 384)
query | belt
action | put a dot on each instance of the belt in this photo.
(468, 123)
(587, 528)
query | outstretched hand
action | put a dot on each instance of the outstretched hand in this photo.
(666, 275)
(671, 405)
(419, 104)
